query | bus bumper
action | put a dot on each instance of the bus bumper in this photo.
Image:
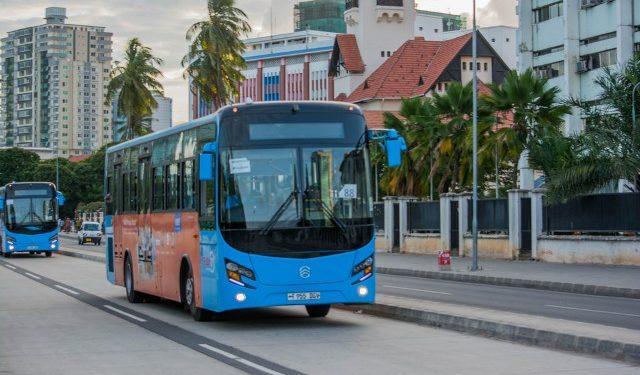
(234, 297)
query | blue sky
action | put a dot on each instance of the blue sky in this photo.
(161, 24)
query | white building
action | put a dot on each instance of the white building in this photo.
(55, 84)
(161, 117)
(570, 41)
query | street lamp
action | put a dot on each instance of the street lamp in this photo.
(633, 105)
(474, 221)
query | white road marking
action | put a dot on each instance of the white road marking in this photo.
(32, 275)
(66, 289)
(595, 311)
(10, 266)
(416, 290)
(124, 313)
(239, 359)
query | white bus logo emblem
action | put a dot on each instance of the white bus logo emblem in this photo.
(304, 271)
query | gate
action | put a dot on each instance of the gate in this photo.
(396, 226)
(525, 228)
(454, 240)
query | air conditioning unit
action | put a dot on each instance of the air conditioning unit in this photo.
(582, 66)
(543, 73)
(591, 3)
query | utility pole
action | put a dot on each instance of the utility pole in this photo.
(474, 222)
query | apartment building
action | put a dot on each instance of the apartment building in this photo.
(54, 78)
(571, 41)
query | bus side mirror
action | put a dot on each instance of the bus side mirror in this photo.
(206, 167)
(394, 145)
(60, 198)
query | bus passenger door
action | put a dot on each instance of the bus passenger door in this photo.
(208, 249)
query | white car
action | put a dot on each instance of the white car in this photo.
(90, 232)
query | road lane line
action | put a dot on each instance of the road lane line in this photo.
(66, 289)
(240, 359)
(595, 311)
(416, 290)
(10, 266)
(32, 276)
(219, 351)
(258, 367)
(124, 313)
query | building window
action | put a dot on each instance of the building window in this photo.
(493, 40)
(552, 70)
(507, 40)
(381, 53)
(420, 28)
(547, 12)
(464, 65)
(598, 38)
(486, 66)
(547, 51)
(388, 53)
(478, 66)
(599, 59)
(435, 31)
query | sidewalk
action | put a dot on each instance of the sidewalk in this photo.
(617, 281)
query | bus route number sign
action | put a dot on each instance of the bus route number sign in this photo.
(348, 191)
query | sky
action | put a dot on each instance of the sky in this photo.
(162, 24)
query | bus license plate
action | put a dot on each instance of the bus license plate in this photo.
(303, 296)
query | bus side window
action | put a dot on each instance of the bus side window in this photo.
(125, 192)
(172, 186)
(117, 191)
(158, 188)
(188, 185)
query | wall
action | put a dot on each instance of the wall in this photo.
(494, 246)
(589, 250)
(422, 243)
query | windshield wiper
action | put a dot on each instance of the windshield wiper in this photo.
(276, 216)
(334, 219)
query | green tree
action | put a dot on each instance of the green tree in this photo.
(609, 147)
(134, 81)
(214, 60)
(18, 165)
(69, 183)
(535, 110)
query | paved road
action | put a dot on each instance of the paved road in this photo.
(59, 315)
(611, 311)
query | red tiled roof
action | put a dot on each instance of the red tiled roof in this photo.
(350, 52)
(375, 118)
(412, 70)
(78, 158)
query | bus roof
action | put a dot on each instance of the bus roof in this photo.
(244, 107)
(34, 183)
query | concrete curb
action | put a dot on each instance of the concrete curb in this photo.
(522, 335)
(95, 258)
(597, 290)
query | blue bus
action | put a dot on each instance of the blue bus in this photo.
(262, 204)
(29, 218)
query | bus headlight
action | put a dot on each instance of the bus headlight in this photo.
(11, 243)
(363, 291)
(235, 272)
(366, 267)
(241, 297)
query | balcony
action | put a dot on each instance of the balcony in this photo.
(390, 3)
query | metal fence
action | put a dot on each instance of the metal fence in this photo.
(598, 213)
(424, 217)
(378, 216)
(493, 215)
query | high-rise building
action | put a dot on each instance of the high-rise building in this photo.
(54, 85)
(321, 15)
(571, 41)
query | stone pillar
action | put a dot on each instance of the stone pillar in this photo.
(624, 30)
(525, 180)
(388, 222)
(464, 225)
(403, 211)
(259, 81)
(571, 78)
(536, 220)
(306, 74)
(283, 79)
(515, 220)
(445, 221)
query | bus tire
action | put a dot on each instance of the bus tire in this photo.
(318, 311)
(189, 298)
(129, 283)
(48, 254)
(7, 255)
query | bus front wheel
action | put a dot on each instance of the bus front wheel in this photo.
(48, 254)
(132, 295)
(7, 255)
(189, 299)
(318, 311)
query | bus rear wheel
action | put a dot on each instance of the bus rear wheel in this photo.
(48, 254)
(189, 299)
(132, 295)
(318, 311)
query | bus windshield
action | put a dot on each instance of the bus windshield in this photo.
(296, 201)
(30, 210)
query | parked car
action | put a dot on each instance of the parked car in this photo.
(89, 232)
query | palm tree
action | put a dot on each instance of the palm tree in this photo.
(609, 148)
(134, 81)
(535, 109)
(214, 59)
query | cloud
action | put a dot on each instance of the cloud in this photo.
(498, 12)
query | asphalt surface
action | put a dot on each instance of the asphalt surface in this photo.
(59, 316)
(610, 311)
